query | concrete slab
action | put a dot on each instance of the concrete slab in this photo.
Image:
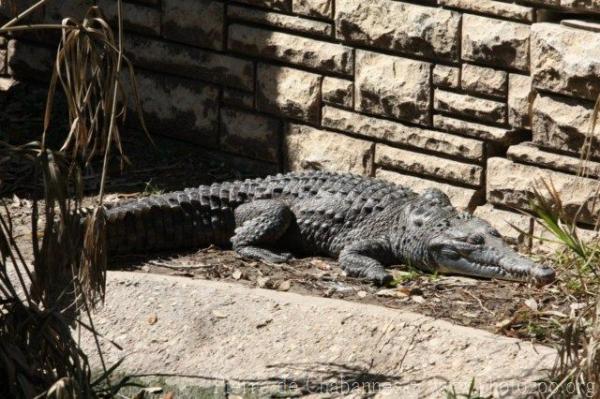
(205, 333)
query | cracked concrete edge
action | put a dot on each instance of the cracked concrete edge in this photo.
(267, 341)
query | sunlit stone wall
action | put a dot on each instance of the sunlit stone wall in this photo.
(480, 98)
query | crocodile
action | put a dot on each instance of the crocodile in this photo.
(366, 223)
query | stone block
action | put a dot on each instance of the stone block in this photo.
(398, 133)
(250, 134)
(578, 5)
(187, 61)
(497, 43)
(511, 184)
(27, 60)
(428, 165)
(136, 18)
(565, 60)
(309, 148)
(531, 154)
(504, 220)
(563, 124)
(288, 92)
(313, 8)
(446, 76)
(283, 21)
(469, 106)
(472, 129)
(590, 25)
(190, 106)
(393, 86)
(238, 98)
(199, 22)
(482, 80)
(310, 53)
(280, 5)
(338, 91)
(460, 197)
(494, 8)
(393, 25)
(519, 94)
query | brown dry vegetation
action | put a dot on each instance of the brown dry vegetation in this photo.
(43, 298)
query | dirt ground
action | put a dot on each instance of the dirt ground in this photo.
(512, 309)
(496, 306)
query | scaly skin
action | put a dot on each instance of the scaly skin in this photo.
(366, 223)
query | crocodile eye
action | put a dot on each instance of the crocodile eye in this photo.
(476, 239)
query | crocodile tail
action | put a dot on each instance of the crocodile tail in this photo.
(193, 218)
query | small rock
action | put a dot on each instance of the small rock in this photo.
(237, 274)
(284, 285)
(261, 282)
(361, 294)
(418, 298)
(146, 268)
(152, 319)
(320, 264)
(341, 288)
(504, 323)
(218, 314)
(169, 395)
(531, 304)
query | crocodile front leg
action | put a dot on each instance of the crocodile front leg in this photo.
(261, 224)
(366, 258)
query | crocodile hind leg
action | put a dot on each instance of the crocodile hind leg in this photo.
(366, 258)
(261, 224)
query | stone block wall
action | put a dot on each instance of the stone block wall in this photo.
(480, 98)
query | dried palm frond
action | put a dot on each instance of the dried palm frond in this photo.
(38, 355)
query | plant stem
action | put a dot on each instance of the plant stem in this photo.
(111, 126)
(23, 14)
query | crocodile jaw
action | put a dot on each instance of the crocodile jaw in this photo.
(491, 262)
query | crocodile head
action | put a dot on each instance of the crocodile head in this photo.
(470, 246)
